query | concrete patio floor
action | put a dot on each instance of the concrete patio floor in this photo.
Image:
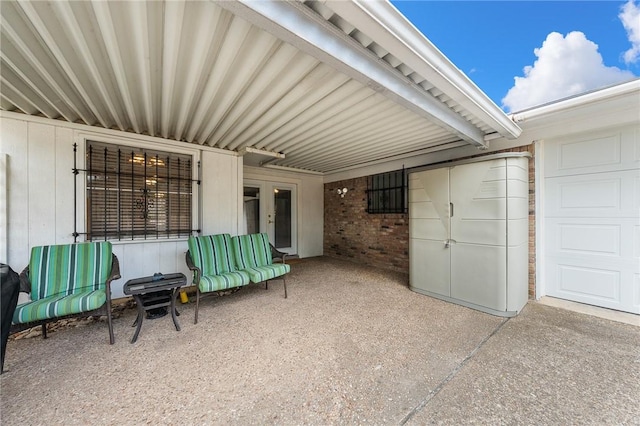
(351, 345)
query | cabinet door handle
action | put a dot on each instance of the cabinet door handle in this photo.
(447, 243)
(451, 206)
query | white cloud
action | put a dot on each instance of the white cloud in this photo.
(565, 66)
(630, 18)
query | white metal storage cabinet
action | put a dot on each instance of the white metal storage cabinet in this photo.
(468, 229)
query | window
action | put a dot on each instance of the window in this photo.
(135, 193)
(386, 192)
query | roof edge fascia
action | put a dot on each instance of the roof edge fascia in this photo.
(608, 93)
(382, 22)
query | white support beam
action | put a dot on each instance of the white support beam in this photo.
(145, 69)
(18, 98)
(51, 42)
(296, 24)
(28, 82)
(72, 27)
(32, 59)
(172, 28)
(108, 34)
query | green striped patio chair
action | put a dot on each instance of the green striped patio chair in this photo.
(68, 280)
(253, 254)
(210, 259)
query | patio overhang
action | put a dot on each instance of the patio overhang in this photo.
(296, 24)
(328, 85)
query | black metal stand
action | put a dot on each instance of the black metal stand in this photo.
(152, 294)
(150, 301)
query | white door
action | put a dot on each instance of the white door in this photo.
(281, 216)
(479, 233)
(592, 218)
(430, 262)
(271, 207)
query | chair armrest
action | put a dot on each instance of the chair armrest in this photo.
(192, 267)
(189, 260)
(115, 268)
(115, 275)
(25, 284)
(277, 254)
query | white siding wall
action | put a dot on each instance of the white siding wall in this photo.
(221, 193)
(4, 201)
(310, 193)
(39, 193)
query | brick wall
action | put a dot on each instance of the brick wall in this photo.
(382, 240)
(532, 218)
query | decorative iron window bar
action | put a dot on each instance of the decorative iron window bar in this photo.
(135, 193)
(386, 192)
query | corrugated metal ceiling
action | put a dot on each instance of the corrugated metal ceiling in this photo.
(195, 72)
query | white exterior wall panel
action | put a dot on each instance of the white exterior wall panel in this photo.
(220, 193)
(39, 188)
(14, 143)
(41, 150)
(4, 201)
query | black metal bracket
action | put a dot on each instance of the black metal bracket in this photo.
(75, 193)
(76, 171)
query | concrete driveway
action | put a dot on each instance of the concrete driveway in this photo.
(351, 345)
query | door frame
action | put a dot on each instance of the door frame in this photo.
(540, 288)
(266, 204)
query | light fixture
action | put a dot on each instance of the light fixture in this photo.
(342, 191)
(151, 161)
(137, 159)
(155, 161)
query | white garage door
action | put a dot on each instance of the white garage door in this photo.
(592, 218)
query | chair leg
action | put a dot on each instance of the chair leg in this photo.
(266, 285)
(110, 324)
(195, 321)
(44, 331)
(284, 280)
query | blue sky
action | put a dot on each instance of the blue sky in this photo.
(568, 47)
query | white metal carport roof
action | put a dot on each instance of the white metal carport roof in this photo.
(328, 85)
